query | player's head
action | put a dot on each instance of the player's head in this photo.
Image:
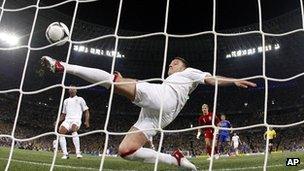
(234, 134)
(270, 128)
(178, 64)
(223, 117)
(72, 91)
(205, 109)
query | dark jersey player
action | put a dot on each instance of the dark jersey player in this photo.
(224, 135)
(206, 119)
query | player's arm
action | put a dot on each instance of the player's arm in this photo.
(63, 113)
(265, 135)
(87, 118)
(62, 116)
(230, 126)
(209, 80)
(86, 113)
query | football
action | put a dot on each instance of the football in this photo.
(57, 31)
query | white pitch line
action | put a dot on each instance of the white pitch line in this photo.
(47, 164)
(62, 166)
(90, 168)
(247, 168)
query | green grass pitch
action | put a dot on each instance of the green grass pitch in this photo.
(26, 160)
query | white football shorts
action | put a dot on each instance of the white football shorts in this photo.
(235, 145)
(149, 97)
(67, 123)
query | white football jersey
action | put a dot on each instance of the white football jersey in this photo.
(185, 82)
(73, 107)
(235, 139)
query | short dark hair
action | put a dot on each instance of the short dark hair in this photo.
(185, 62)
(73, 86)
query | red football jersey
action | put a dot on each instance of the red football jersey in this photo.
(207, 120)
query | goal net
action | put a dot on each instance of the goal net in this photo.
(28, 49)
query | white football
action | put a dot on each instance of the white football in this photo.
(56, 32)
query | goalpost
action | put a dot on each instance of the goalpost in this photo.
(117, 38)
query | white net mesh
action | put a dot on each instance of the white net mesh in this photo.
(117, 38)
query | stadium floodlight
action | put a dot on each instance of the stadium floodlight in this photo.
(96, 51)
(252, 51)
(276, 46)
(9, 38)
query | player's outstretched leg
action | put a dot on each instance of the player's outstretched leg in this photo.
(93, 75)
(131, 148)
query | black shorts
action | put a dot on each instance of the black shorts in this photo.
(270, 141)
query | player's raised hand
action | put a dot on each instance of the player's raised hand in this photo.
(244, 84)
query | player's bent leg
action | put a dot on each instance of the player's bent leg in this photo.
(208, 145)
(62, 142)
(131, 143)
(208, 141)
(74, 128)
(76, 140)
(63, 130)
(131, 148)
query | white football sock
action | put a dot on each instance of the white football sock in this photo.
(148, 155)
(91, 75)
(76, 142)
(62, 141)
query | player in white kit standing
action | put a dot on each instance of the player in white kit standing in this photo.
(73, 109)
(236, 141)
(174, 93)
